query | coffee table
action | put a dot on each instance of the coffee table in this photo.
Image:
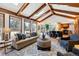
(43, 44)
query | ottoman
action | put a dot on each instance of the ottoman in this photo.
(44, 44)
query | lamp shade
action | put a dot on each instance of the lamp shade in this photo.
(6, 30)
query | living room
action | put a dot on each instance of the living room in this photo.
(39, 29)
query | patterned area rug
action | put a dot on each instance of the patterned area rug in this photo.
(33, 51)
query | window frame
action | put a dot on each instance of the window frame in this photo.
(29, 21)
(3, 25)
(20, 23)
(33, 22)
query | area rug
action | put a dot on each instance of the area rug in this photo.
(33, 51)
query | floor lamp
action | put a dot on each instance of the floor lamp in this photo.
(6, 31)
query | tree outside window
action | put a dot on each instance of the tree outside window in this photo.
(15, 25)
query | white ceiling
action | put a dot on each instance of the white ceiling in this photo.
(46, 8)
(11, 6)
(31, 8)
(65, 7)
(57, 19)
(44, 16)
(65, 14)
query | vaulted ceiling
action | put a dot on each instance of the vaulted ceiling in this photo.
(41, 11)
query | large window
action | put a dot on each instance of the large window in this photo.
(15, 25)
(1, 26)
(27, 27)
(51, 27)
(33, 27)
(43, 28)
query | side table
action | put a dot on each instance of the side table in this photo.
(5, 45)
(75, 50)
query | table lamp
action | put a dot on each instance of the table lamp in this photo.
(6, 31)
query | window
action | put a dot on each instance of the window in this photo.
(33, 27)
(1, 26)
(27, 26)
(43, 28)
(51, 27)
(15, 25)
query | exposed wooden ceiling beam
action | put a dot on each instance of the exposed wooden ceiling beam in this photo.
(43, 14)
(69, 12)
(7, 11)
(22, 8)
(51, 8)
(45, 18)
(64, 12)
(64, 16)
(13, 13)
(27, 17)
(38, 10)
(69, 4)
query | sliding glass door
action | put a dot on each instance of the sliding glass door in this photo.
(1, 26)
(15, 25)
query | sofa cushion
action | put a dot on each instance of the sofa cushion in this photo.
(33, 34)
(28, 35)
(23, 36)
(19, 37)
(59, 33)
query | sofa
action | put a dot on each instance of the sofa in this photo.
(69, 44)
(23, 41)
(55, 34)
